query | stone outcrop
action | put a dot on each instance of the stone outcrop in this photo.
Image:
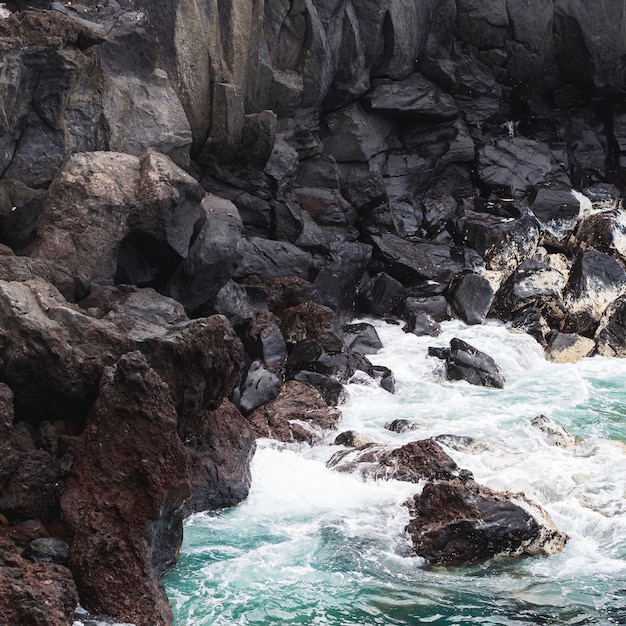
(285, 166)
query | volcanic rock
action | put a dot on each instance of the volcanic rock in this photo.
(458, 523)
(299, 413)
(124, 534)
(34, 593)
(464, 362)
(554, 433)
(412, 462)
(569, 348)
(471, 296)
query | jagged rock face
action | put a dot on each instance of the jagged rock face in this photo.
(122, 532)
(85, 102)
(299, 413)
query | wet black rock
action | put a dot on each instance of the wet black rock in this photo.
(464, 362)
(470, 297)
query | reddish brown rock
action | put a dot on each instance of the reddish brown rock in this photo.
(415, 461)
(311, 322)
(42, 594)
(123, 496)
(299, 413)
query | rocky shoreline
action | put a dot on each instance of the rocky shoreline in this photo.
(196, 199)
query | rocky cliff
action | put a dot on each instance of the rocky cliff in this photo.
(197, 195)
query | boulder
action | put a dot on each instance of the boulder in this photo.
(385, 378)
(352, 439)
(595, 281)
(330, 388)
(337, 280)
(312, 322)
(569, 348)
(402, 426)
(213, 257)
(361, 337)
(470, 297)
(464, 362)
(268, 259)
(422, 324)
(604, 231)
(352, 134)
(458, 523)
(53, 355)
(299, 413)
(416, 260)
(219, 452)
(558, 212)
(415, 461)
(47, 550)
(263, 340)
(380, 295)
(514, 166)
(413, 97)
(502, 242)
(611, 333)
(259, 387)
(124, 535)
(532, 284)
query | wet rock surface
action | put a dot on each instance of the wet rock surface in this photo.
(286, 168)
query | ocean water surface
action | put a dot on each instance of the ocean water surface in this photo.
(313, 546)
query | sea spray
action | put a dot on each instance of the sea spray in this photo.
(312, 546)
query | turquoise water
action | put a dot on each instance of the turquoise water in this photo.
(312, 546)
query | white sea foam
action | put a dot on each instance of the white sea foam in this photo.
(309, 534)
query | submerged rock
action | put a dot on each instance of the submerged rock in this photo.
(464, 362)
(459, 523)
(555, 434)
(412, 462)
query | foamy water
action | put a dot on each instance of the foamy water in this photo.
(313, 546)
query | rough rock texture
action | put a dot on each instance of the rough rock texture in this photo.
(463, 522)
(340, 158)
(412, 462)
(34, 593)
(299, 413)
(123, 494)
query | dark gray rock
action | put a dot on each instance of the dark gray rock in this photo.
(558, 212)
(402, 426)
(416, 260)
(470, 297)
(330, 389)
(414, 96)
(611, 334)
(422, 324)
(456, 523)
(213, 257)
(464, 362)
(271, 259)
(380, 295)
(595, 281)
(361, 337)
(533, 284)
(260, 386)
(515, 166)
(233, 301)
(47, 550)
(352, 134)
(385, 378)
(337, 280)
(503, 242)
(263, 340)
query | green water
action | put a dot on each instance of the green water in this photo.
(311, 546)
